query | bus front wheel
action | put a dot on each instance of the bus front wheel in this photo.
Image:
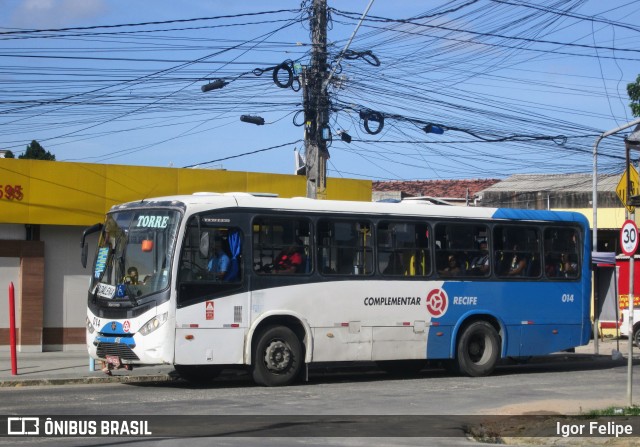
(478, 349)
(277, 358)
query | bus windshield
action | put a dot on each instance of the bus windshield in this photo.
(134, 254)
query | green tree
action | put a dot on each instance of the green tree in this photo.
(9, 154)
(633, 90)
(36, 152)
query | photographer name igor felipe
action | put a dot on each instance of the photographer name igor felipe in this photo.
(594, 428)
(47, 426)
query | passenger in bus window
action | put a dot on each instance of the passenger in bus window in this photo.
(480, 264)
(219, 262)
(568, 267)
(132, 276)
(518, 263)
(552, 265)
(452, 269)
(289, 260)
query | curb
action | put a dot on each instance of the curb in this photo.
(86, 380)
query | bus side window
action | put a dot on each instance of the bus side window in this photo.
(517, 251)
(281, 246)
(345, 247)
(466, 244)
(561, 253)
(210, 260)
(403, 249)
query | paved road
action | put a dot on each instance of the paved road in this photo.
(560, 384)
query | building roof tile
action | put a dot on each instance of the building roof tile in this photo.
(436, 188)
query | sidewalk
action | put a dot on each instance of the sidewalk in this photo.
(60, 368)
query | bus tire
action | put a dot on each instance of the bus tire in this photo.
(198, 373)
(636, 335)
(478, 349)
(277, 358)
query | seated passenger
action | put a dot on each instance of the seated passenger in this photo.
(219, 262)
(518, 264)
(568, 268)
(452, 269)
(480, 264)
(132, 276)
(289, 260)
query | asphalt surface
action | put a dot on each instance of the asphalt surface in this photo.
(74, 367)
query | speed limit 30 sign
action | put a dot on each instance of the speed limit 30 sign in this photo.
(629, 237)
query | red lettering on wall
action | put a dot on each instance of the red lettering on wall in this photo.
(11, 192)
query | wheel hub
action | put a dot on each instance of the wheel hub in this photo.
(477, 350)
(277, 356)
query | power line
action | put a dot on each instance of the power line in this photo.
(125, 25)
(244, 154)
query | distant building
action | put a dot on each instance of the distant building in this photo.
(454, 192)
(551, 191)
(563, 192)
(527, 191)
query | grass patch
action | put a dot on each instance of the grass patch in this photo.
(616, 411)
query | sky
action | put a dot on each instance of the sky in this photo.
(517, 86)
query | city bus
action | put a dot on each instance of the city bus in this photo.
(314, 282)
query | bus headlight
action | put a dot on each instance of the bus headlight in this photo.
(154, 323)
(90, 327)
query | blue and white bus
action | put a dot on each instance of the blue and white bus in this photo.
(310, 281)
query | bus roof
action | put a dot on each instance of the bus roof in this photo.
(203, 201)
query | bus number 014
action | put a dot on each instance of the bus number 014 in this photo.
(567, 298)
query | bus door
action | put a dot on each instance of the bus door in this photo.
(212, 300)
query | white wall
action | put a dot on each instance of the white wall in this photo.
(9, 272)
(13, 232)
(65, 281)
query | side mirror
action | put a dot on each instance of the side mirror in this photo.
(83, 254)
(204, 245)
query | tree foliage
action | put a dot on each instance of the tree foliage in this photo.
(36, 152)
(633, 90)
(9, 154)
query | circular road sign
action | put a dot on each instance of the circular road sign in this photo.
(629, 237)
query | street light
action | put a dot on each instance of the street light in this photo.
(344, 136)
(594, 201)
(632, 142)
(594, 204)
(257, 120)
(213, 85)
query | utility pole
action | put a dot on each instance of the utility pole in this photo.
(316, 105)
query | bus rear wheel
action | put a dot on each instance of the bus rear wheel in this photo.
(478, 349)
(277, 358)
(636, 335)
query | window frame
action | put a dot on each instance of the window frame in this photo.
(307, 257)
(379, 248)
(319, 247)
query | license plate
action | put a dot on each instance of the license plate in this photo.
(113, 360)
